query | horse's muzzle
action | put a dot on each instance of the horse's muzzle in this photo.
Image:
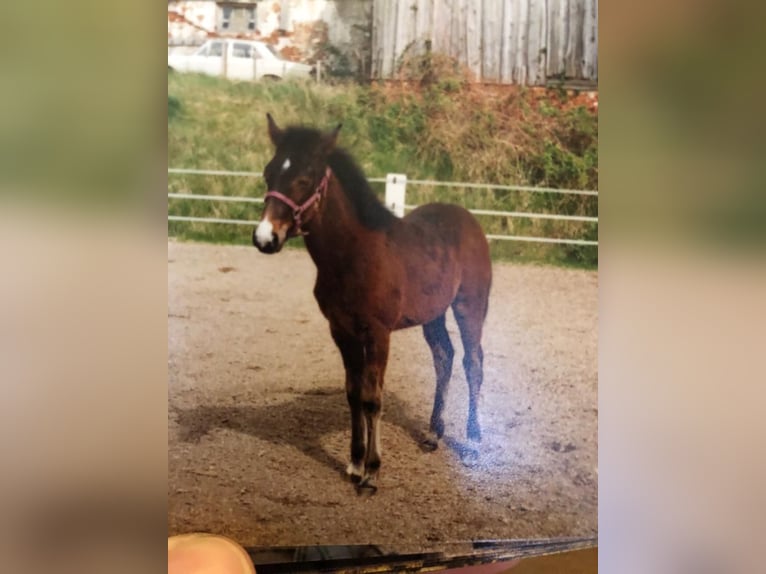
(273, 246)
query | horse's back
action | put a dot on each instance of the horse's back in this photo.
(455, 227)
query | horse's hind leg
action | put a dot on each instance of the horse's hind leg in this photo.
(470, 310)
(443, 353)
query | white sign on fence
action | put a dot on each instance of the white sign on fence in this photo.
(396, 184)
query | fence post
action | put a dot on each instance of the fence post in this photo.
(396, 184)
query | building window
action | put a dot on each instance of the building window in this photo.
(226, 17)
(237, 17)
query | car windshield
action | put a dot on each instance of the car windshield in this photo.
(211, 49)
(216, 49)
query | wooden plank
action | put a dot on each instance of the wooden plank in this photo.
(590, 68)
(574, 45)
(460, 47)
(414, 45)
(520, 65)
(402, 38)
(473, 38)
(389, 40)
(512, 39)
(581, 35)
(423, 17)
(375, 41)
(441, 29)
(377, 25)
(391, 37)
(382, 24)
(535, 42)
(543, 75)
(557, 18)
(505, 32)
(454, 29)
(492, 41)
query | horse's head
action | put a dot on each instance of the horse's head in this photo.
(296, 178)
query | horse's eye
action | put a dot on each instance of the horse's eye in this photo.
(268, 176)
(303, 181)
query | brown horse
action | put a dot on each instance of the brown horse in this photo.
(377, 273)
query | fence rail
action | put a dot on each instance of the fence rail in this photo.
(395, 194)
(211, 220)
(234, 198)
(492, 186)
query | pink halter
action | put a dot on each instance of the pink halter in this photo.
(299, 210)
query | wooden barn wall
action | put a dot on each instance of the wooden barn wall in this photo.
(507, 41)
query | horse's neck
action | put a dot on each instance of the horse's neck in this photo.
(333, 235)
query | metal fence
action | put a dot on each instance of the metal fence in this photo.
(396, 189)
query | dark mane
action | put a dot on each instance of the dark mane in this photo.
(370, 211)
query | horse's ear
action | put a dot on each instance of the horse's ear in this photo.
(331, 138)
(274, 132)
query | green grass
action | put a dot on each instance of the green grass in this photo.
(445, 131)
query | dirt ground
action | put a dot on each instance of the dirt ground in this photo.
(258, 424)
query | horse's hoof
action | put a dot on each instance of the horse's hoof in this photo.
(469, 456)
(367, 485)
(431, 441)
(354, 472)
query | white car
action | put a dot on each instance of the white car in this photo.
(239, 60)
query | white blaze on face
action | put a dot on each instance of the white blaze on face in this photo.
(286, 165)
(263, 233)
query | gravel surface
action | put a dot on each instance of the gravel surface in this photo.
(258, 424)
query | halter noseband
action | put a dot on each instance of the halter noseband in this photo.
(299, 210)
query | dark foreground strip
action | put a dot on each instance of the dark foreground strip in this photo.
(368, 558)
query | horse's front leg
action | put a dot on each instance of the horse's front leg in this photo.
(352, 352)
(376, 343)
